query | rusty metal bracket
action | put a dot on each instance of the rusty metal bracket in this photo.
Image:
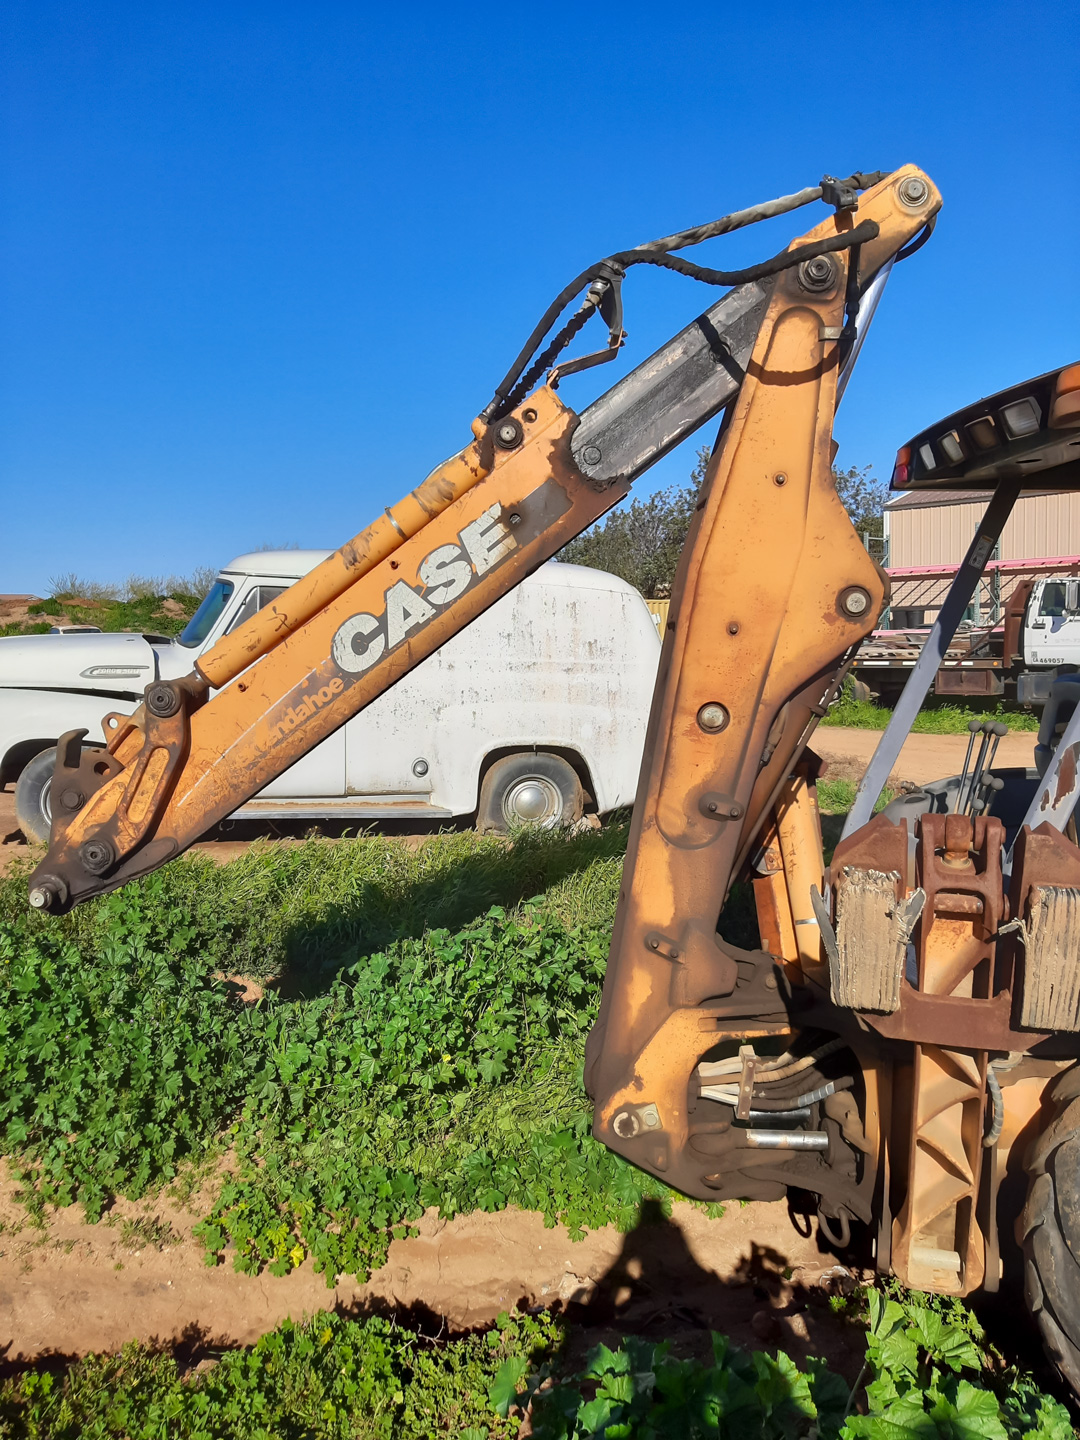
(746, 1081)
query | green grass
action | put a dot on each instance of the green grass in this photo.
(329, 1378)
(836, 797)
(140, 613)
(937, 717)
(928, 1373)
(423, 1046)
(303, 910)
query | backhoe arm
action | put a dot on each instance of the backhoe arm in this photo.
(770, 535)
(774, 592)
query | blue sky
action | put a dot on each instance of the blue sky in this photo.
(262, 263)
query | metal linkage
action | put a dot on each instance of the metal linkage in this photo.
(933, 652)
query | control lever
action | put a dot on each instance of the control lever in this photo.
(990, 788)
(993, 730)
(974, 727)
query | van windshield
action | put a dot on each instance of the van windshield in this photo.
(206, 616)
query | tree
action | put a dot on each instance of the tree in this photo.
(863, 496)
(642, 542)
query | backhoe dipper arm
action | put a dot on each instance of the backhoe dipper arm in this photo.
(533, 478)
(774, 592)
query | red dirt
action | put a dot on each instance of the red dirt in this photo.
(924, 757)
(74, 1288)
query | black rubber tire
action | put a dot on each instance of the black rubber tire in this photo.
(860, 690)
(507, 794)
(32, 791)
(1049, 1230)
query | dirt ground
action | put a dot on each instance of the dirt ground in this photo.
(751, 1274)
(924, 757)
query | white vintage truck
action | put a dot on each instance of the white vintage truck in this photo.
(535, 713)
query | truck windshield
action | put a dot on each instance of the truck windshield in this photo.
(206, 616)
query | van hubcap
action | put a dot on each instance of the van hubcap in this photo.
(532, 801)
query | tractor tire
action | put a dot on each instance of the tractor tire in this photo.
(1049, 1230)
(33, 808)
(538, 790)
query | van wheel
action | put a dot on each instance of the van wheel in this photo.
(33, 791)
(540, 790)
(1049, 1231)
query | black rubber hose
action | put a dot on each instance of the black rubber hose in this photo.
(656, 253)
(867, 230)
(616, 264)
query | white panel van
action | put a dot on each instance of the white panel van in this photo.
(534, 713)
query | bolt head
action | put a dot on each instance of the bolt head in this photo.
(420, 767)
(162, 701)
(50, 893)
(855, 602)
(817, 274)
(72, 799)
(713, 717)
(96, 856)
(591, 455)
(913, 190)
(508, 434)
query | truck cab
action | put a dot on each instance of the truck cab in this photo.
(1051, 633)
(534, 713)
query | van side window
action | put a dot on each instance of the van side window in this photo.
(256, 598)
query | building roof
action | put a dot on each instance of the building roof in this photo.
(927, 499)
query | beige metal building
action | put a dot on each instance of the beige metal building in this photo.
(927, 534)
(935, 527)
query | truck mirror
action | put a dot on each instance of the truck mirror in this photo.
(1072, 596)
